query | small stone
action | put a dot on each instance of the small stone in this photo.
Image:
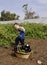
(39, 62)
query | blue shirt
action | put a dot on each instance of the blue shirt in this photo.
(22, 34)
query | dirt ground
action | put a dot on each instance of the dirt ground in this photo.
(39, 52)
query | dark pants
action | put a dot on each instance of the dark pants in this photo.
(17, 40)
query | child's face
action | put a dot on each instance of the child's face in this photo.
(16, 26)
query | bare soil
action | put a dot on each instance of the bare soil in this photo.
(39, 52)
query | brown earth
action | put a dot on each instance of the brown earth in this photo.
(39, 52)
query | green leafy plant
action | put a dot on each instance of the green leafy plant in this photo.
(8, 33)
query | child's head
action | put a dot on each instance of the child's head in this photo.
(16, 25)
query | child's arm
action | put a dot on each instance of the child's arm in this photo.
(21, 28)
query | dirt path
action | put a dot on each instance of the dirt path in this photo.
(39, 52)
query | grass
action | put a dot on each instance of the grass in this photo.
(8, 33)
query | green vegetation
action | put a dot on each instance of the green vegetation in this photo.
(6, 16)
(21, 51)
(29, 14)
(8, 33)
